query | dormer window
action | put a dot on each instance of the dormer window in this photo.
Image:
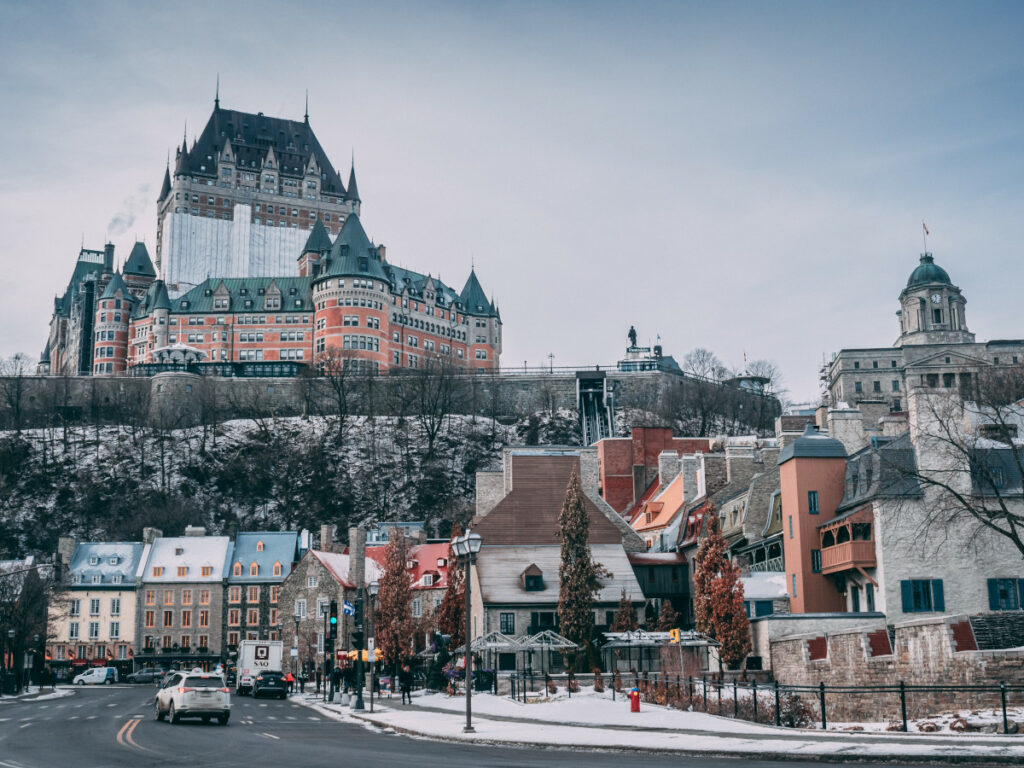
(179, 551)
(259, 546)
(442, 562)
(184, 305)
(254, 569)
(76, 579)
(428, 580)
(116, 578)
(97, 579)
(532, 578)
(114, 560)
(277, 569)
(236, 569)
(94, 560)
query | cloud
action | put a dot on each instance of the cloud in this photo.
(131, 208)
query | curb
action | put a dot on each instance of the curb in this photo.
(837, 757)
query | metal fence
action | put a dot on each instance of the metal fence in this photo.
(792, 706)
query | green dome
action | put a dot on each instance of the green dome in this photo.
(928, 273)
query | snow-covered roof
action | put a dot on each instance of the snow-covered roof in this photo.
(765, 585)
(190, 552)
(338, 564)
(105, 563)
(499, 568)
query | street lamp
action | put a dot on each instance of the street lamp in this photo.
(13, 663)
(297, 657)
(357, 637)
(466, 549)
(371, 649)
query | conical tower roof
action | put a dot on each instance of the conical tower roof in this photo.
(354, 254)
(353, 191)
(116, 284)
(138, 262)
(319, 240)
(165, 188)
(162, 300)
(474, 300)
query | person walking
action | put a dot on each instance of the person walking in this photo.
(335, 680)
(405, 683)
(319, 676)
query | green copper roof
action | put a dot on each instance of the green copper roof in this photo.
(354, 254)
(474, 300)
(928, 273)
(165, 188)
(138, 262)
(116, 284)
(319, 240)
(247, 294)
(353, 190)
(161, 300)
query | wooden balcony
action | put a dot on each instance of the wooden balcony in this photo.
(847, 556)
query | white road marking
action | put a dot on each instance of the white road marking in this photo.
(111, 705)
(291, 717)
(263, 705)
(91, 717)
(317, 719)
(271, 736)
(271, 717)
(73, 717)
(26, 725)
(4, 719)
(24, 719)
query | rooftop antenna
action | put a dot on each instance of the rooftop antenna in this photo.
(924, 236)
(306, 118)
(216, 98)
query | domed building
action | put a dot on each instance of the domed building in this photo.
(935, 348)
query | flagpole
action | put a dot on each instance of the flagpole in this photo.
(924, 235)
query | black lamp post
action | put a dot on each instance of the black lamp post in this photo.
(357, 637)
(298, 665)
(373, 589)
(466, 549)
(14, 660)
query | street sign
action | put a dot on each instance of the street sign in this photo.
(348, 609)
(369, 647)
(294, 652)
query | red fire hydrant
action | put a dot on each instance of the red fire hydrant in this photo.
(634, 700)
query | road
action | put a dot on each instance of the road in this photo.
(105, 726)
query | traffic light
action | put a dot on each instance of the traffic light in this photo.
(333, 620)
(357, 639)
(674, 635)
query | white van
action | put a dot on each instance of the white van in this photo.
(96, 676)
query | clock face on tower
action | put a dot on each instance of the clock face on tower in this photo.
(936, 298)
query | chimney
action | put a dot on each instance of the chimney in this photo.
(847, 426)
(357, 554)
(149, 535)
(326, 538)
(195, 530)
(893, 426)
(739, 462)
(669, 465)
(66, 549)
(690, 467)
(108, 257)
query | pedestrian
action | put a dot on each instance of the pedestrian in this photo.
(290, 680)
(319, 675)
(335, 680)
(302, 681)
(405, 683)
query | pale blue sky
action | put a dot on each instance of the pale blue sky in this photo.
(741, 176)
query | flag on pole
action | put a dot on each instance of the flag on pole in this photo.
(925, 227)
(348, 609)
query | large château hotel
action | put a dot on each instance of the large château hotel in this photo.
(261, 258)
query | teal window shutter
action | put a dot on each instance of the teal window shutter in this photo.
(993, 594)
(907, 595)
(938, 600)
(1020, 589)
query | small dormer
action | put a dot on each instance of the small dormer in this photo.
(532, 579)
(428, 579)
(179, 551)
(236, 569)
(259, 546)
(94, 560)
(442, 562)
(254, 568)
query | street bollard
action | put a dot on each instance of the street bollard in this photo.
(755, 699)
(735, 700)
(903, 704)
(1002, 694)
(821, 696)
(778, 711)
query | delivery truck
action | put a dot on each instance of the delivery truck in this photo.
(254, 658)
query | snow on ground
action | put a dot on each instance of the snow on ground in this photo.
(595, 721)
(33, 694)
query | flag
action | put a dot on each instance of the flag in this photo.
(924, 226)
(348, 609)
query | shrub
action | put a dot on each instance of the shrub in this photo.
(598, 681)
(552, 688)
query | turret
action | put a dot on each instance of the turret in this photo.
(110, 338)
(483, 331)
(932, 309)
(318, 246)
(352, 193)
(138, 270)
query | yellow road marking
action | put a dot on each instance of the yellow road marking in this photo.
(125, 737)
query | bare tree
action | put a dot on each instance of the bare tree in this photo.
(14, 372)
(970, 457)
(705, 395)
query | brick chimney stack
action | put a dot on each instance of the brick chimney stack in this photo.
(357, 556)
(326, 538)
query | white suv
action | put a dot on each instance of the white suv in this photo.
(194, 694)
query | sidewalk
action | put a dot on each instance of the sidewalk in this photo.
(35, 693)
(594, 721)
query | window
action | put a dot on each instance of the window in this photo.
(1005, 594)
(252, 594)
(186, 597)
(815, 561)
(204, 641)
(895, 385)
(273, 617)
(857, 387)
(274, 593)
(311, 582)
(75, 608)
(428, 580)
(236, 569)
(322, 607)
(168, 597)
(94, 607)
(922, 595)
(794, 580)
(856, 364)
(417, 608)
(206, 570)
(115, 606)
(876, 386)
(508, 623)
(252, 617)
(204, 618)
(791, 526)
(259, 546)
(254, 569)
(812, 502)
(158, 571)
(233, 638)
(235, 595)
(168, 618)
(534, 582)
(869, 591)
(73, 631)
(937, 316)
(234, 617)
(150, 619)
(186, 641)
(115, 630)
(300, 609)
(186, 619)
(277, 569)
(94, 630)
(204, 597)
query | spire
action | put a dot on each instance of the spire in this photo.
(138, 262)
(353, 191)
(216, 98)
(165, 188)
(319, 240)
(474, 300)
(306, 118)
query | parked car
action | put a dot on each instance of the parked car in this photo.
(194, 694)
(269, 684)
(96, 676)
(148, 675)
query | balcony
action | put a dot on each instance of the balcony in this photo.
(770, 565)
(848, 555)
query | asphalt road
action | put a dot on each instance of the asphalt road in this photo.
(105, 726)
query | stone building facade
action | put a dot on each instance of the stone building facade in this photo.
(934, 348)
(260, 562)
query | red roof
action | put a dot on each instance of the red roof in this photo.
(424, 558)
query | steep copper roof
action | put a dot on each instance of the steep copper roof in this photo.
(529, 514)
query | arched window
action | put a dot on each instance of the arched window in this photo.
(277, 569)
(254, 569)
(237, 569)
(259, 546)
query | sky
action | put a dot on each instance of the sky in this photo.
(746, 177)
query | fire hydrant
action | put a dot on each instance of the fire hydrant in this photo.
(634, 700)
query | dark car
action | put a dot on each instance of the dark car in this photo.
(269, 684)
(146, 676)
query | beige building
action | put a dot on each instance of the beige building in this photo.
(93, 621)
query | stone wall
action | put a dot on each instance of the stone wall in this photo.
(934, 651)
